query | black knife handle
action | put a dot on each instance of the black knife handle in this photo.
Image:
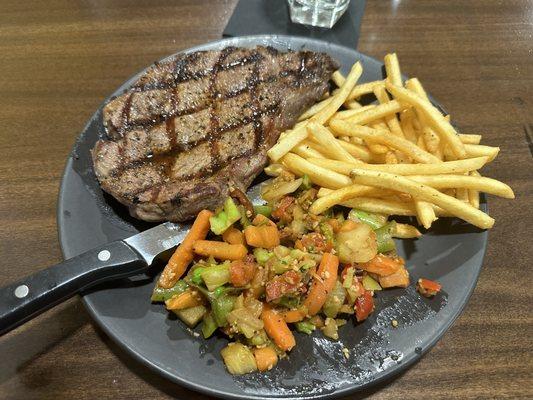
(23, 300)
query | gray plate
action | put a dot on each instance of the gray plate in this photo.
(451, 253)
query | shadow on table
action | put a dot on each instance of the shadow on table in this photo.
(180, 392)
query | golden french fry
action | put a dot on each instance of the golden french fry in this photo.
(388, 207)
(433, 116)
(315, 108)
(306, 151)
(446, 167)
(406, 122)
(391, 120)
(421, 144)
(353, 105)
(350, 113)
(425, 213)
(462, 194)
(431, 140)
(481, 184)
(414, 85)
(377, 136)
(328, 141)
(338, 78)
(478, 150)
(405, 231)
(377, 148)
(318, 175)
(363, 88)
(473, 195)
(469, 138)
(390, 158)
(374, 113)
(287, 142)
(392, 68)
(425, 193)
(356, 150)
(338, 196)
(339, 97)
(372, 192)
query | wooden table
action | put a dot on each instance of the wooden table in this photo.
(60, 59)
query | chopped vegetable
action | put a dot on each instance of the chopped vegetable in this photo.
(375, 221)
(384, 237)
(399, 279)
(241, 272)
(291, 316)
(279, 286)
(265, 236)
(265, 210)
(281, 211)
(184, 253)
(239, 359)
(233, 236)
(187, 299)
(191, 316)
(262, 255)
(276, 189)
(161, 294)
(209, 325)
(277, 329)
(322, 284)
(382, 265)
(364, 305)
(427, 288)
(265, 358)
(243, 321)
(305, 327)
(334, 301)
(222, 306)
(370, 283)
(356, 242)
(219, 250)
(331, 329)
(225, 218)
(216, 275)
(306, 182)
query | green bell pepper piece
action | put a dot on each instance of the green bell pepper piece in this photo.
(370, 283)
(265, 210)
(225, 218)
(161, 294)
(209, 325)
(262, 255)
(373, 220)
(384, 237)
(221, 307)
(305, 327)
(215, 276)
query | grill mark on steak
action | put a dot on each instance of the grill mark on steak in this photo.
(215, 132)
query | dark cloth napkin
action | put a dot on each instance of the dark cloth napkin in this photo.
(255, 17)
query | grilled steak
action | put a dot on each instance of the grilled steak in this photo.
(196, 125)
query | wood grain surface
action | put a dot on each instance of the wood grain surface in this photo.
(61, 58)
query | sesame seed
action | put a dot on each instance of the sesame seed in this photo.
(394, 323)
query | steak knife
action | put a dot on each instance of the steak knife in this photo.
(23, 300)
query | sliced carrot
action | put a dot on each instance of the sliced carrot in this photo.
(184, 300)
(399, 279)
(233, 236)
(322, 284)
(265, 236)
(382, 265)
(277, 329)
(219, 250)
(292, 316)
(260, 219)
(265, 358)
(177, 265)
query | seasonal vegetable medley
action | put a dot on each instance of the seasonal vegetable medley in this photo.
(256, 273)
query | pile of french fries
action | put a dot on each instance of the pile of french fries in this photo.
(397, 156)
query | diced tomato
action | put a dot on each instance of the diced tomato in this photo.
(315, 242)
(428, 288)
(281, 211)
(364, 305)
(242, 272)
(281, 285)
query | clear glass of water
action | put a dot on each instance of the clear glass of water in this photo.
(322, 13)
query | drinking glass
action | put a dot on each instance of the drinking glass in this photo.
(322, 13)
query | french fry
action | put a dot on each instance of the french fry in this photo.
(425, 193)
(372, 192)
(425, 213)
(338, 78)
(469, 138)
(431, 140)
(406, 122)
(328, 141)
(377, 148)
(377, 112)
(392, 68)
(414, 85)
(318, 175)
(481, 184)
(363, 88)
(314, 109)
(286, 143)
(473, 195)
(375, 136)
(358, 151)
(352, 105)
(340, 97)
(446, 167)
(478, 150)
(462, 194)
(433, 116)
(304, 150)
(390, 158)
(390, 120)
(353, 112)
(388, 207)
(338, 196)
(405, 231)
(421, 143)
